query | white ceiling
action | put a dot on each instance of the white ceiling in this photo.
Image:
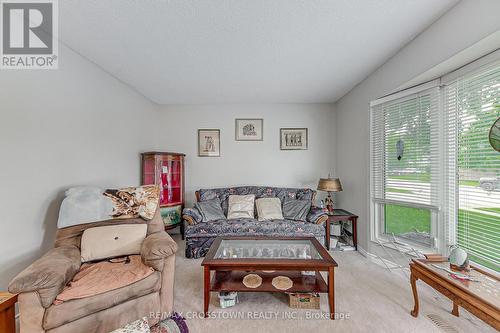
(253, 51)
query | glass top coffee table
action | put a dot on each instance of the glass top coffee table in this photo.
(232, 258)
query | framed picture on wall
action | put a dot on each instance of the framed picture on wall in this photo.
(208, 142)
(293, 138)
(249, 129)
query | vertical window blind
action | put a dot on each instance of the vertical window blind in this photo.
(472, 104)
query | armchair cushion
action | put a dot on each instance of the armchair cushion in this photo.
(73, 310)
(317, 215)
(157, 247)
(192, 215)
(112, 241)
(49, 274)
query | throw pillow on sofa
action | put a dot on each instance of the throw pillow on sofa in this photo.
(269, 209)
(112, 241)
(241, 206)
(296, 210)
(210, 210)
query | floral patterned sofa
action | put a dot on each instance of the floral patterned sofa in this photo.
(200, 235)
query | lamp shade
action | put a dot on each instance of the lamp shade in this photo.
(329, 185)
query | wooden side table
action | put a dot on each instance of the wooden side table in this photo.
(341, 215)
(481, 297)
(7, 312)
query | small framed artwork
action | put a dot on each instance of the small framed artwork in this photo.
(293, 138)
(249, 129)
(208, 142)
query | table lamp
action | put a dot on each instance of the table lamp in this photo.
(329, 185)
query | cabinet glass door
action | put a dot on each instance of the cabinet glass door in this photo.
(170, 180)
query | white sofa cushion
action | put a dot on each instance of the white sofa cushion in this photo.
(269, 209)
(112, 241)
(241, 206)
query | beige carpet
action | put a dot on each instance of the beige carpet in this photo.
(375, 300)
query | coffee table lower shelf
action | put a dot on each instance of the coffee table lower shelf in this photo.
(222, 273)
(232, 281)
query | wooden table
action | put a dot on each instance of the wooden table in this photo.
(7, 312)
(231, 268)
(479, 298)
(337, 216)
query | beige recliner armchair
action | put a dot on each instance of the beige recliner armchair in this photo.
(40, 283)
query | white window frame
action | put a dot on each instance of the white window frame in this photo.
(376, 213)
(443, 231)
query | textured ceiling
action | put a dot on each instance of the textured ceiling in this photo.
(253, 51)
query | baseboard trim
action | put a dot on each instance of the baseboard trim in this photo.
(363, 252)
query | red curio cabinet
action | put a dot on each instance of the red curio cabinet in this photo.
(167, 171)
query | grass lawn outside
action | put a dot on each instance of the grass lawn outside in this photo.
(475, 231)
(488, 209)
(425, 178)
(400, 219)
(465, 182)
(397, 190)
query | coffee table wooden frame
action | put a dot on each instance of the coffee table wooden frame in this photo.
(229, 272)
(459, 295)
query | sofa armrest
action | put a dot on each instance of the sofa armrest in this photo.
(191, 215)
(317, 215)
(48, 275)
(155, 248)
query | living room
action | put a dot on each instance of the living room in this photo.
(195, 166)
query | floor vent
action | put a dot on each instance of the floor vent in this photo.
(442, 324)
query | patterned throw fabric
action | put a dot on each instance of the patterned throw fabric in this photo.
(92, 204)
(259, 191)
(175, 324)
(132, 202)
(138, 326)
(253, 227)
(193, 213)
(197, 247)
(200, 235)
(314, 214)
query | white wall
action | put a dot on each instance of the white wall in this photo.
(79, 126)
(461, 27)
(59, 128)
(255, 162)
